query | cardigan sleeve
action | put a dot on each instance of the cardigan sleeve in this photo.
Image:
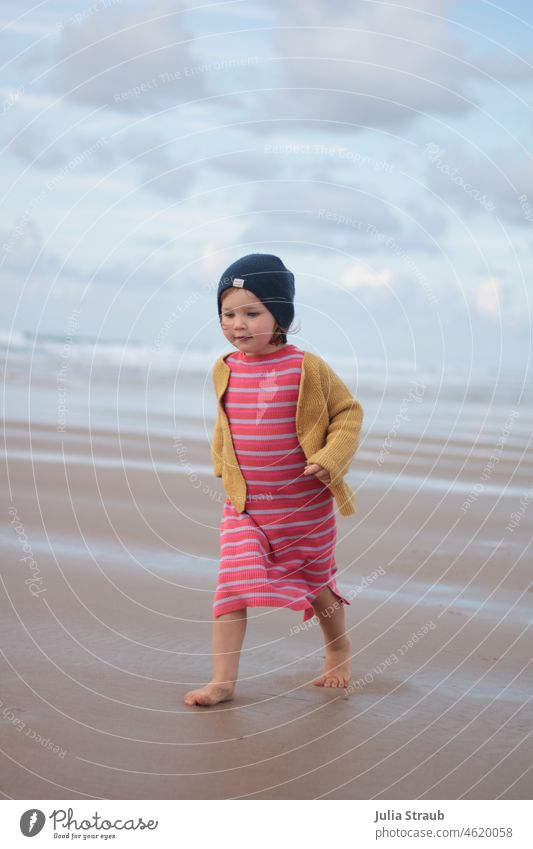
(216, 448)
(217, 441)
(345, 421)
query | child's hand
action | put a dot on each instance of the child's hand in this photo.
(321, 473)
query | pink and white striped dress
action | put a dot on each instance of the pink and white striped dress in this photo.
(280, 552)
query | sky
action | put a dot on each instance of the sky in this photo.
(381, 149)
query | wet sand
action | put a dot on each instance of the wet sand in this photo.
(106, 624)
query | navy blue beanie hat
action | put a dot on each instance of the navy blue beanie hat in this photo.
(269, 280)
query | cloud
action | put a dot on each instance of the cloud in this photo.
(487, 296)
(31, 273)
(498, 181)
(316, 215)
(359, 275)
(349, 65)
(28, 264)
(42, 146)
(22, 251)
(246, 164)
(499, 298)
(131, 58)
(158, 171)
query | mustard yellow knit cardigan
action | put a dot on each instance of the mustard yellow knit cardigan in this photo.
(328, 424)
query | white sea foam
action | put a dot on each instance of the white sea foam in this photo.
(166, 358)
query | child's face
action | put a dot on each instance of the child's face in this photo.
(247, 323)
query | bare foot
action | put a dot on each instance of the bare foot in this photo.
(337, 666)
(211, 694)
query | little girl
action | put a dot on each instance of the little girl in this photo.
(287, 428)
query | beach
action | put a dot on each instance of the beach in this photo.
(110, 542)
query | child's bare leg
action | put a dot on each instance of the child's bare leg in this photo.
(228, 636)
(338, 645)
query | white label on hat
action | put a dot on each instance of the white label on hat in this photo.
(237, 281)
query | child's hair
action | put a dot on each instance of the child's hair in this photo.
(279, 336)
